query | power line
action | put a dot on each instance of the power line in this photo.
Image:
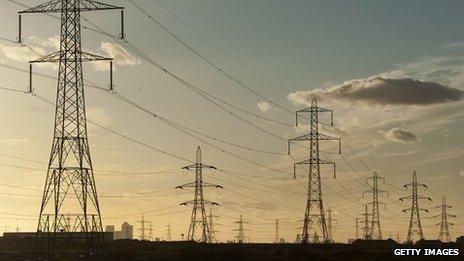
(208, 61)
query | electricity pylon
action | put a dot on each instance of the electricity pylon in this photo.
(70, 168)
(144, 229)
(314, 213)
(330, 226)
(366, 229)
(213, 231)
(168, 233)
(444, 234)
(356, 233)
(376, 232)
(199, 218)
(241, 238)
(276, 238)
(415, 227)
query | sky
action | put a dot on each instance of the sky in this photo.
(392, 72)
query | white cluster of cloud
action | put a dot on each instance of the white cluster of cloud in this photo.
(264, 106)
(120, 55)
(400, 135)
(383, 91)
(21, 53)
(37, 47)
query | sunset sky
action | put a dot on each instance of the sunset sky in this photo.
(392, 71)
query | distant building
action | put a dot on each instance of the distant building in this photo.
(109, 228)
(127, 231)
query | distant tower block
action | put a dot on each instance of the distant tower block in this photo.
(415, 226)
(444, 234)
(199, 222)
(314, 217)
(375, 231)
(69, 185)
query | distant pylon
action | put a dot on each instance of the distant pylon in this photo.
(444, 234)
(330, 225)
(150, 232)
(314, 213)
(356, 233)
(276, 238)
(241, 238)
(213, 231)
(199, 218)
(397, 237)
(168, 233)
(376, 232)
(366, 229)
(415, 227)
(145, 226)
(70, 183)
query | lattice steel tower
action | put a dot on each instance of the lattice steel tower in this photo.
(314, 213)
(366, 229)
(241, 230)
(415, 227)
(212, 229)
(276, 238)
(330, 225)
(375, 231)
(199, 218)
(168, 233)
(70, 168)
(444, 234)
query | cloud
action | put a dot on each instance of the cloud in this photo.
(400, 135)
(383, 91)
(264, 106)
(119, 54)
(50, 43)
(21, 53)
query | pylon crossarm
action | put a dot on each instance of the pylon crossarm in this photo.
(211, 185)
(186, 185)
(407, 197)
(206, 202)
(200, 165)
(422, 197)
(82, 56)
(55, 7)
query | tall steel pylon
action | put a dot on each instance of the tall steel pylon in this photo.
(144, 229)
(276, 238)
(199, 218)
(168, 233)
(330, 225)
(375, 231)
(241, 238)
(356, 232)
(213, 231)
(444, 234)
(70, 168)
(366, 229)
(314, 213)
(415, 226)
